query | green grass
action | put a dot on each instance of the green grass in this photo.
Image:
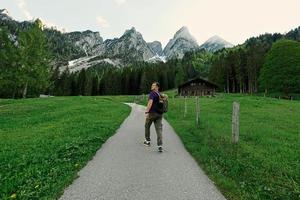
(45, 142)
(265, 164)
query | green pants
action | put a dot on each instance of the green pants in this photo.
(157, 119)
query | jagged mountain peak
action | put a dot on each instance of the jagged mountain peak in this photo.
(183, 29)
(216, 38)
(184, 32)
(4, 15)
(89, 31)
(4, 11)
(215, 43)
(86, 32)
(88, 41)
(181, 43)
(132, 34)
(131, 31)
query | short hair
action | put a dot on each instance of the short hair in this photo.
(157, 83)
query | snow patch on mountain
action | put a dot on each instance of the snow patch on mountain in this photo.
(87, 62)
(157, 58)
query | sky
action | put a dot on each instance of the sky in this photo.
(233, 20)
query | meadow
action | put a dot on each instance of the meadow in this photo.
(44, 142)
(264, 164)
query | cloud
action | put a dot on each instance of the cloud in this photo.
(120, 2)
(102, 22)
(23, 7)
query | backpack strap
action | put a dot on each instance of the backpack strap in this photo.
(157, 93)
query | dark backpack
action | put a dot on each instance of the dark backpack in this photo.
(162, 104)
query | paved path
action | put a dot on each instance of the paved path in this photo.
(125, 169)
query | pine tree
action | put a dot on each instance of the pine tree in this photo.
(82, 82)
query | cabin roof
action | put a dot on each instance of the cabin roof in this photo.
(197, 79)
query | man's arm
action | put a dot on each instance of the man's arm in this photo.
(149, 105)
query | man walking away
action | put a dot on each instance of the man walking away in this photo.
(154, 115)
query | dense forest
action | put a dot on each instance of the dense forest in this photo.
(108, 80)
(238, 69)
(29, 66)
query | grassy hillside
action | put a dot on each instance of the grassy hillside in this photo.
(44, 142)
(264, 164)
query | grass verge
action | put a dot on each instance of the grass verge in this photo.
(45, 142)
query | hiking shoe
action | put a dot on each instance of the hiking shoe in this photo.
(147, 143)
(160, 149)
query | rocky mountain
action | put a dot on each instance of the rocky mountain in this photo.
(129, 47)
(78, 50)
(88, 41)
(215, 43)
(156, 47)
(4, 15)
(181, 43)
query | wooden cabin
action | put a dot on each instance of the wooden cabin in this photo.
(197, 87)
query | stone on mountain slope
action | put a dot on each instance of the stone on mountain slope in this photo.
(88, 41)
(156, 47)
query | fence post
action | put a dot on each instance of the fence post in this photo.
(197, 111)
(235, 122)
(185, 107)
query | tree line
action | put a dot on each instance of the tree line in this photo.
(129, 80)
